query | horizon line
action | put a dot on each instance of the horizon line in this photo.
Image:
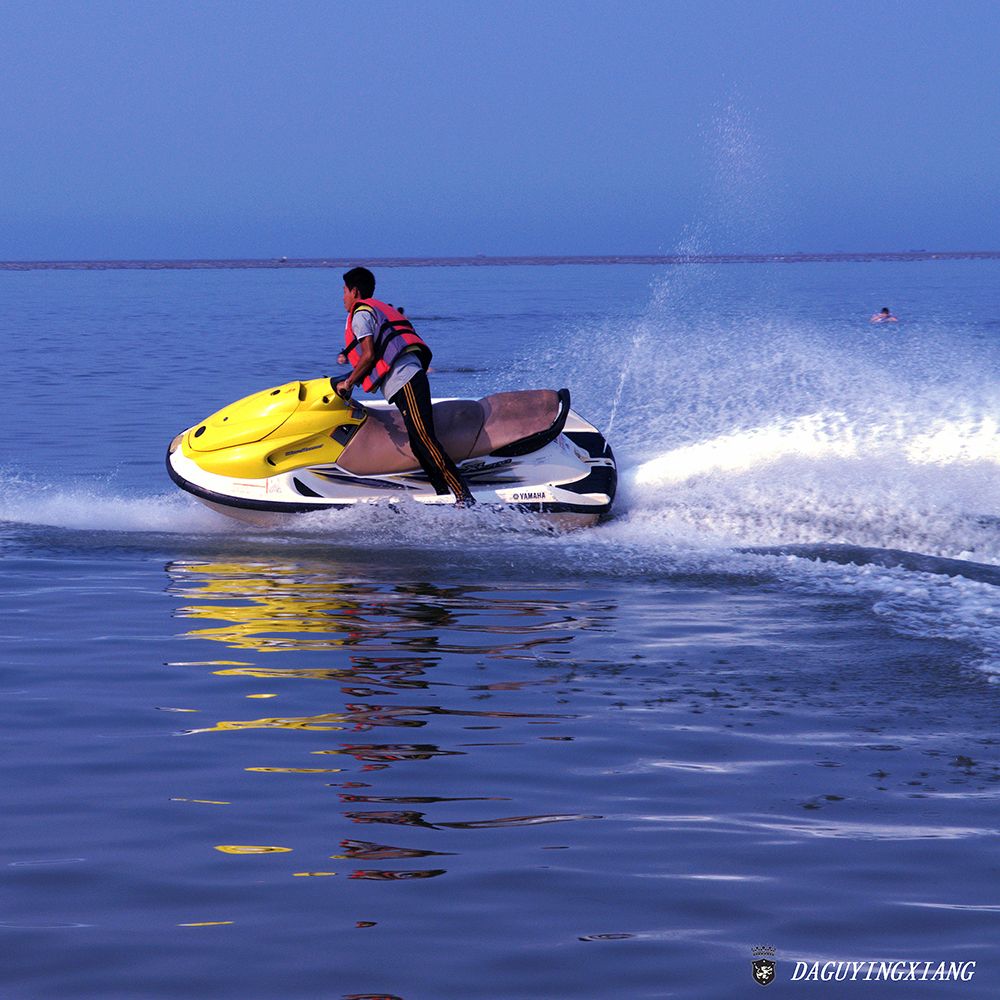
(485, 260)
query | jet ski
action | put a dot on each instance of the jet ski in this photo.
(300, 447)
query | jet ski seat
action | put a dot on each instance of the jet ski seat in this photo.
(467, 428)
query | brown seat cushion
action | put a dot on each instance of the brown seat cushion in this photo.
(465, 427)
(510, 416)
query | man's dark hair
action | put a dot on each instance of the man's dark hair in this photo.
(361, 279)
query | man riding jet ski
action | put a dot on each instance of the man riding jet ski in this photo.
(386, 353)
(307, 446)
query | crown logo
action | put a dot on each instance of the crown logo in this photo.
(762, 951)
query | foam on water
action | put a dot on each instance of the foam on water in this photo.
(25, 501)
(823, 478)
(741, 426)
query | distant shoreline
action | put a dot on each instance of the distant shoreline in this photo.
(484, 261)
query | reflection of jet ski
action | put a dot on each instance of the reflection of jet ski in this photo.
(300, 447)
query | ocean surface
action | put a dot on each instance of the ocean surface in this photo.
(449, 754)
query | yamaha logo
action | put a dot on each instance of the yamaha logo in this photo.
(763, 964)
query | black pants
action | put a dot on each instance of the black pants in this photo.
(414, 402)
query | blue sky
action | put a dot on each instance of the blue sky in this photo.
(379, 128)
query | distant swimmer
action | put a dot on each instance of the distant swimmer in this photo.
(883, 317)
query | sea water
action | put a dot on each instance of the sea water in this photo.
(433, 753)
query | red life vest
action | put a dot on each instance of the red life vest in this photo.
(395, 334)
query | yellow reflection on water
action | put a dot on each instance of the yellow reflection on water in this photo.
(381, 643)
(275, 607)
(361, 717)
(321, 723)
(251, 849)
(378, 673)
(270, 607)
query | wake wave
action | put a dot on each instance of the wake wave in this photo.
(823, 478)
(946, 443)
(84, 509)
(831, 456)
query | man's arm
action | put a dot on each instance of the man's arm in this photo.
(364, 328)
(365, 364)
